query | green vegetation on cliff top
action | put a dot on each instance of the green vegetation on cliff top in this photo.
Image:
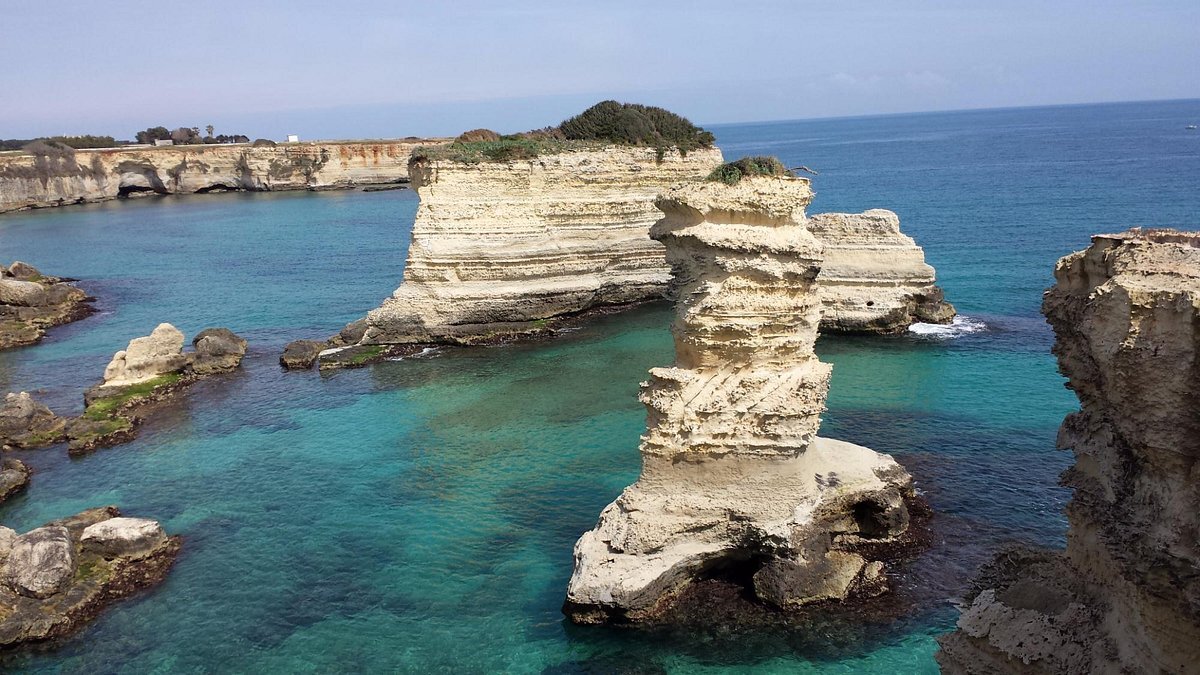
(731, 173)
(606, 123)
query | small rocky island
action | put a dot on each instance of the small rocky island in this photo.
(57, 577)
(1125, 595)
(150, 369)
(734, 478)
(31, 302)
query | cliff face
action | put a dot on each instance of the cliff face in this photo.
(733, 474)
(27, 181)
(499, 246)
(874, 278)
(1125, 595)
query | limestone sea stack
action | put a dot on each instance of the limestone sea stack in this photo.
(874, 278)
(57, 577)
(1125, 595)
(499, 246)
(733, 473)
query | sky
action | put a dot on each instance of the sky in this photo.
(386, 69)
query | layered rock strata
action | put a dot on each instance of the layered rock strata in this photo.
(31, 302)
(502, 247)
(509, 248)
(57, 577)
(31, 181)
(874, 278)
(150, 369)
(1125, 594)
(733, 473)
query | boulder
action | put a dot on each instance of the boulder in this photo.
(8, 537)
(217, 350)
(22, 293)
(25, 423)
(41, 562)
(354, 331)
(128, 537)
(301, 354)
(23, 271)
(148, 357)
(14, 476)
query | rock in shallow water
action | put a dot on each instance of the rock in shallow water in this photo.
(132, 537)
(40, 562)
(301, 354)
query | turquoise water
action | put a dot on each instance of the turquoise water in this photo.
(419, 515)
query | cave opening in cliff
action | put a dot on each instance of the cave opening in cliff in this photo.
(134, 190)
(871, 519)
(216, 188)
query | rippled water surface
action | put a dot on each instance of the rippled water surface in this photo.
(419, 515)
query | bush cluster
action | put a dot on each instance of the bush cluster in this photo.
(77, 142)
(731, 173)
(605, 123)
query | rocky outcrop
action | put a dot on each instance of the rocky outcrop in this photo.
(31, 302)
(734, 476)
(30, 181)
(14, 476)
(501, 247)
(25, 423)
(1125, 595)
(57, 577)
(874, 279)
(510, 248)
(150, 369)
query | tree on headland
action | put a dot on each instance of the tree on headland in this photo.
(209, 129)
(153, 134)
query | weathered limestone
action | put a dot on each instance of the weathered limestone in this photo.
(26, 423)
(874, 278)
(1125, 595)
(97, 175)
(500, 247)
(733, 474)
(59, 576)
(14, 476)
(31, 302)
(149, 369)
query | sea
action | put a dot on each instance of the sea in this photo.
(419, 515)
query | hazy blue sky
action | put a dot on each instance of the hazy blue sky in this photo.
(326, 69)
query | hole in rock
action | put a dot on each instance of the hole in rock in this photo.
(870, 303)
(126, 190)
(871, 519)
(218, 187)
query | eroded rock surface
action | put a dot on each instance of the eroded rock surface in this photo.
(55, 578)
(733, 474)
(498, 247)
(1125, 595)
(14, 476)
(150, 369)
(26, 423)
(31, 302)
(874, 278)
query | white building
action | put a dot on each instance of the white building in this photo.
(163, 141)
(293, 138)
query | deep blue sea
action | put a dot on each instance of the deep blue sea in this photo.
(419, 515)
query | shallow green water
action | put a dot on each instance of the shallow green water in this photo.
(419, 515)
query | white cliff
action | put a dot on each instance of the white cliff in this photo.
(500, 246)
(80, 176)
(733, 473)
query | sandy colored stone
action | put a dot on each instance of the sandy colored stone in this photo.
(732, 470)
(499, 246)
(1125, 596)
(130, 537)
(148, 357)
(98, 175)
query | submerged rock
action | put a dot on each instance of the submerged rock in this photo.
(55, 578)
(1125, 595)
(733, 476)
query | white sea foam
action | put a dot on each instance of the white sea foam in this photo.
(961, 325)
